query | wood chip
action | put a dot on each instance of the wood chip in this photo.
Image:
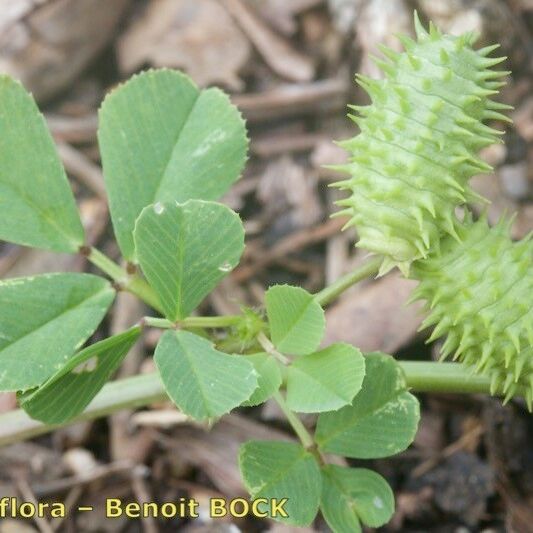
(377, 319)
(80, 129)
(281, 14)
(287, 185)
(198, 36)
(288, 245)
(216, 451)
(81, 167)
(377, 23)
(324, 96)
(280, 56)
(47, 44)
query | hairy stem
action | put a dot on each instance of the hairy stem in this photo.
(131, 283)
(145, 389)
(369, 268)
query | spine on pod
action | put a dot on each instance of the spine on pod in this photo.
(478, 290)
(410, 165)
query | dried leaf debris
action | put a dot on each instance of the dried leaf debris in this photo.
(289, 67)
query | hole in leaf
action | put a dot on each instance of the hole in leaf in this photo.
(87, 366)
(225, 266)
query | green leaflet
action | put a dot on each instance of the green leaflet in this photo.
(186, 249)
(37, 205)
(269, 378)
(326, 380)
(43, 321)
(203, 382)
(418, 145)
(67, 393)
(478, 291)
(282, 470)
(354, 495)
(162, 139)
(382, 419)
(296, 320)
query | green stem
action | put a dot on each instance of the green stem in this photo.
(425, 376)
(193, 322)
(142, 290)
(269, 348)
(305, 437)
(145, 389)
(369, 268)
(130, 283)
(129, 393)
(161, 323)
(114, 271)
(297, 425)
(210, 321)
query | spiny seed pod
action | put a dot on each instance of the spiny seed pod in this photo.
(478, 290)
(418, 145)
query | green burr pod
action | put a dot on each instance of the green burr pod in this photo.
(478, 290)
(418, 146)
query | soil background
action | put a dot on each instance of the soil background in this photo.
(289, 66)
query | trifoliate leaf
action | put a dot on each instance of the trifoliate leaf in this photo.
(186, 249)
(203, 382)
(283, 470)
(43, 321)
(354, 495)
(269, 378)
(36, 203)
(67, 393)
(162, 139)
(326, 380)
(296, 320)
(382, 419)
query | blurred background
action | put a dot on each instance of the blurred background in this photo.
(289, 66)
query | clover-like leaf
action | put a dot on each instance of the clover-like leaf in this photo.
(67, 393)
(325, 380)
(203, 382)
(36, 203)
(269, 378)
(382, 419)
(162, 139)
(43, 321)
(186, 249)
(354, 495)
(296, 320)
(283, 470)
